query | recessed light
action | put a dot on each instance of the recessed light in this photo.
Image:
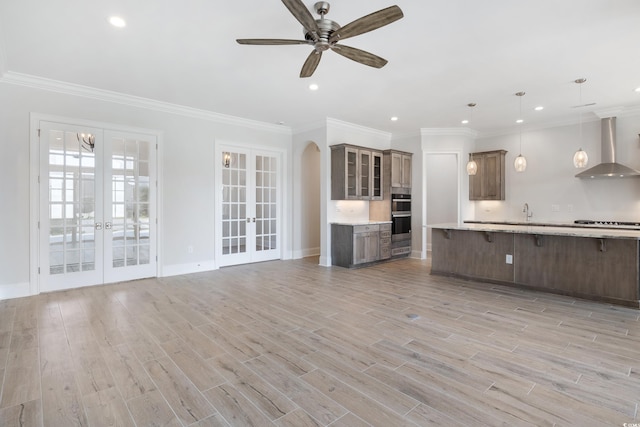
(465, 121)
(394, 119)
(313, 86)
(637, 89)
(519, 121)
(116, 21)
(539, 108)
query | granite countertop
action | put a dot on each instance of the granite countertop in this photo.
(361, 222)
(544, 228)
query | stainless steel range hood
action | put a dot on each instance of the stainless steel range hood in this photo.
(608, 167)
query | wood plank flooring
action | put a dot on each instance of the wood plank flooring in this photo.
(290, 343)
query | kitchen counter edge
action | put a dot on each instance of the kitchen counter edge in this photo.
(598, 233)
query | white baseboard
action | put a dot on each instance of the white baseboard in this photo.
(195, 267)
(17, 290)
(304, 253)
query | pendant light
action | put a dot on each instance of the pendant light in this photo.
(472, 166)
(520, 163)
(580, 158)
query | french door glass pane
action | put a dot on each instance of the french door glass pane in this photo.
(130, 186)
(234, 205)
(265, 203)
(71, 204)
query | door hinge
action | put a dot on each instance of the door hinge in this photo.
(38, 133)
(156, 146)
(38, 179)
(38, 225)
(156, 258)
(156, 221)
(38, 270)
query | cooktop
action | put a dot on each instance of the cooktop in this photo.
(618, 223)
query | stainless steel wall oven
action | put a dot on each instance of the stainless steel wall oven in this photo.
(400, 216)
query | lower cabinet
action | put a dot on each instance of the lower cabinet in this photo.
(354, 245)
(603, 269)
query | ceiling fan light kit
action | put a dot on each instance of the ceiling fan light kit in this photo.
(324, 34)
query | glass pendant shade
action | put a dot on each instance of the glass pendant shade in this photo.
(520, 164)
(580, 159)
(472, 167)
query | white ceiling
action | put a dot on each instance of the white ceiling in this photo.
(442, 55)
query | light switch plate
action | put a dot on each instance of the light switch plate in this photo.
(509, 259)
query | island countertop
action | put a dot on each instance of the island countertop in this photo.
(545, 229)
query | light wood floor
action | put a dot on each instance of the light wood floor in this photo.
(289, 343)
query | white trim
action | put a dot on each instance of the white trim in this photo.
(357, 128)
(17, 290)
(189, 268)
(304, 253)
(42, 83)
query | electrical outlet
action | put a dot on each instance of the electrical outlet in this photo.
(190, 249)
(555, 208)
(509, 259)
(570, 208)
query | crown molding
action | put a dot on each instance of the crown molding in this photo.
(358, 128)
(73, 89)
(309, 127)
(618, 112)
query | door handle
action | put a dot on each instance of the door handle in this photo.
(98, 226)
(107, 225)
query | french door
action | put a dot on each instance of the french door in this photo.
(97, 206)
(248, 229)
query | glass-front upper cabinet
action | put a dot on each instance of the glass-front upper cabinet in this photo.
(356, 173)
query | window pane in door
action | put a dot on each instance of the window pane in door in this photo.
(71, 204)
(234, 205)
(130, 201)
(266, 197)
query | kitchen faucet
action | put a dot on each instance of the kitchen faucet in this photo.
(527, 213)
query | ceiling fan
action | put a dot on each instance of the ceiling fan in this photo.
(324, 34)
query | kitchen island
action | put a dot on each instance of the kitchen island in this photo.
(581, 261)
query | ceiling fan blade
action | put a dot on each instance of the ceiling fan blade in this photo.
(271, 41)
(367, 23)
(311, 63)
(360, 56)
(302, 14)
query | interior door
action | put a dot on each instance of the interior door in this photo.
(130, 204)
(97, 206)
(71, 206)
(249, 203)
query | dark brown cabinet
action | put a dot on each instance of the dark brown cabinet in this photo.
(489, 182)
(356, 173)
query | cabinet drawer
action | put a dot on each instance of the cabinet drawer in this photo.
(385, 252)
(385, 241)
(385, 234)
(401, 251)
(365, 228)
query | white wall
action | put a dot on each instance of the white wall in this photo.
(310, 200)
(187, 168)
(549, 178)
(442, 179)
